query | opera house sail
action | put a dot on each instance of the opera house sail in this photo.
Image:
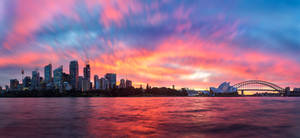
(223, 90)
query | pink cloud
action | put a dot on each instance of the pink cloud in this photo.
(114, 11)
(183, 56)
(31, 15)
(169, 63)
(220, 60)
(156, 18)
(182, 13)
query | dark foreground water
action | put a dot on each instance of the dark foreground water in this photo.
(150, 117)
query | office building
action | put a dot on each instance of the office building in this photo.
(296, 90)
(97, 84)
(26, 82)
(48, 73)
(111, 77)
(14, 84)
(80, 83)
(96, 78)
(87, 72)
(42, 83)
(86, 78)
(58, 78)
(103, 84)
(148, 86)
(128, 83)
(66, 78)
(35, 81)
(122, 84)
(74, 73)
(91, 86)
(85, 84)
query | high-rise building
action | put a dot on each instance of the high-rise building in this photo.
(26, 82)
(14, 84)
(66, 78)
(86, 77)
(128, 83)
(111, 77)
(97, 85)
(96, 78)
(74, 73)
(91, 86)
(41, 81)
(103, 84)
(48, 73)
(58, 77)
(122, 83)
(80, 83)
(87, 72)
(85, 84)
(35, 81)
(148, 86)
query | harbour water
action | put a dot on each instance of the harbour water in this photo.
(150, 117)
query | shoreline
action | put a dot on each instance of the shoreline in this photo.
(135, 96)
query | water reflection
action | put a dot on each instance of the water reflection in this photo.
(150, 117)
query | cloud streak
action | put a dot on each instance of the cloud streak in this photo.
(187, 43)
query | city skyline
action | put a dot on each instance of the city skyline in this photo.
(48, 75)
(73, 81)
(195, 44)
(62, 81)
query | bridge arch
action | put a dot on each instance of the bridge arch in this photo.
(244, 86)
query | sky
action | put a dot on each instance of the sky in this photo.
(186, 43)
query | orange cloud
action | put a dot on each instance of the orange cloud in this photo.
(186, 57)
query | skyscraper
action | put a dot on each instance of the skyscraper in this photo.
(48, 73)
(26, 82)
(80, 83)
(87, 72)
(96, 78)
(128, 83)
(58, 77)
(97, 85)
(111, 77)
(74, 73)
(35, 81)
(103, 84)
(86, 77)
(122, 83)
(85, 84)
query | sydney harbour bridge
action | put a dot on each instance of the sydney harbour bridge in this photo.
(258, 86)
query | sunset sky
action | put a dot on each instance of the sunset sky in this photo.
(188, 43)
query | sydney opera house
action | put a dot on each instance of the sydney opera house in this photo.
(224, 89)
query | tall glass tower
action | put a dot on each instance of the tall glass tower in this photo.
(48, 73)
(74, 73)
